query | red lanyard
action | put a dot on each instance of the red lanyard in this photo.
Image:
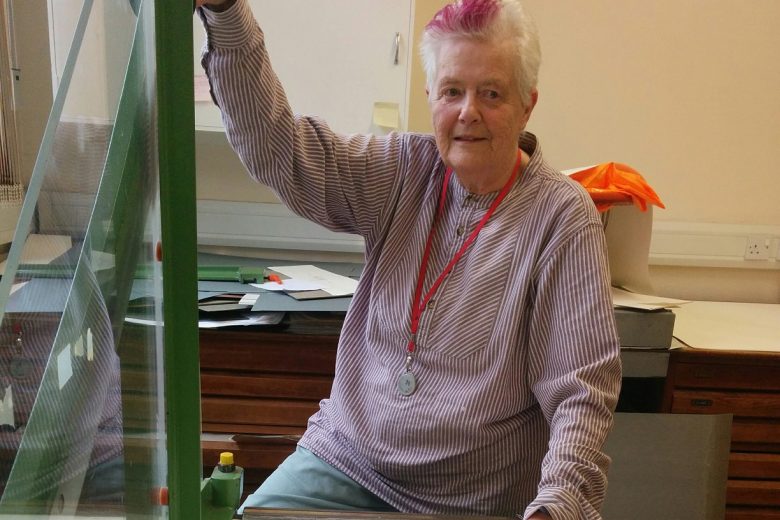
(418, 307)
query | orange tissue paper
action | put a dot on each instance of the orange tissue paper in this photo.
(614, 183)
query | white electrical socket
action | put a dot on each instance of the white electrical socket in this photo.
(758, 248)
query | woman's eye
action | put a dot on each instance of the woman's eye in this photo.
(490, 94)
(450, 92)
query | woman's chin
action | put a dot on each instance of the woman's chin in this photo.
(469, 162)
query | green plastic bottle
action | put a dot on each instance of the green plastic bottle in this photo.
(227, 482)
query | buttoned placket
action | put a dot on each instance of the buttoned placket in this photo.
(470, 208)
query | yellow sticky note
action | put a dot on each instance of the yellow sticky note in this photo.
(387, 114)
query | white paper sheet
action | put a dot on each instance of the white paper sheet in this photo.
(15, 287)
(64, 366)
(729, 326)
(331, 283)
(42, 249)
(7, 408)
(248, 299)
(631, 300)
(255, 318)
(252, 318)
(290, 284)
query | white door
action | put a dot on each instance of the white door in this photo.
(336, 59)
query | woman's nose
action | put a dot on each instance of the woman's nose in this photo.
(469, 112)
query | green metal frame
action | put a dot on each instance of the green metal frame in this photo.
(118, 201)
(115, 227)
(176, 142)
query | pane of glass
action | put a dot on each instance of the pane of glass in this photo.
(81, 401)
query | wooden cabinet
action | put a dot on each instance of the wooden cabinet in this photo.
(262, 387)
(263, 383)
(746, 385)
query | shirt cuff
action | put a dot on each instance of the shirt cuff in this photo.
(530, 511)
(559, 504)
(229, 29)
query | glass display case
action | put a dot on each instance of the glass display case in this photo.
(90, 420)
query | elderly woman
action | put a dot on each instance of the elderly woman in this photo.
(478, 366)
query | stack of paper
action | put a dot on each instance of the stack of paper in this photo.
(631, 300)
(729, 326)
(302, 288)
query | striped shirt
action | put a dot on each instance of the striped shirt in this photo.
(517, 357)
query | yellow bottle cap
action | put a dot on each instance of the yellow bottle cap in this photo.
(226, 458)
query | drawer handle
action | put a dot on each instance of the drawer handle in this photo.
(701, 402)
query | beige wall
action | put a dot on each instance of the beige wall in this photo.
(419, 113)
(220, 174)
(687, 92)
(716, 284)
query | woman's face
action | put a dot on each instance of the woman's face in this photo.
(478, 114)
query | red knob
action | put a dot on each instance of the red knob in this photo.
(160, 496)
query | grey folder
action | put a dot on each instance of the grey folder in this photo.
(668, 466)
(274, 301)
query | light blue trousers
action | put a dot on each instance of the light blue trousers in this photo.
(304, 481)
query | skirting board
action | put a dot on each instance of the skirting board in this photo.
(272, 226)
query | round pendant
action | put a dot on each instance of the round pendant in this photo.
(407, 383)
(20, 367)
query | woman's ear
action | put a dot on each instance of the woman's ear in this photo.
(533, 98)
(532, 102)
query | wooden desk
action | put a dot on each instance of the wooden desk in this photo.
(746, 385)
(265, 384)
(291, 514)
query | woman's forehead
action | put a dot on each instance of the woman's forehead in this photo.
(468, 57)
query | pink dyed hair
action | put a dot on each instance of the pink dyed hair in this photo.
(470, 16)
(499, 21)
